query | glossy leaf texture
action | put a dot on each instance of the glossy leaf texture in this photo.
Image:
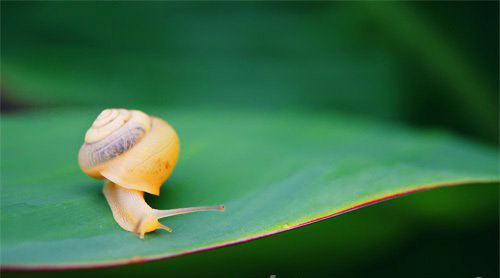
(273, 171)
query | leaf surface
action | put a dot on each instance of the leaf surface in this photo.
(272, 171)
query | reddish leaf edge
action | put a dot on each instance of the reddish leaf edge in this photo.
(137, 260)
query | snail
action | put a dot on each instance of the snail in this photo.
(134, 153)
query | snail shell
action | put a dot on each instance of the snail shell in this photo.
(131, 149)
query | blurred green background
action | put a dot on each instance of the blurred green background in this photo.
(429, 65)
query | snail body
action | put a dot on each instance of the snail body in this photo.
(134, 153)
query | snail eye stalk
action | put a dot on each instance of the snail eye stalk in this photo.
(171, 212)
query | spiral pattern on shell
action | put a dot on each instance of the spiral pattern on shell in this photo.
(112, 133)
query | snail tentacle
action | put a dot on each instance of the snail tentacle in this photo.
(171, 212)
(168, 229)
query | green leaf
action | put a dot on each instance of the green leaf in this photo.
(272, 171)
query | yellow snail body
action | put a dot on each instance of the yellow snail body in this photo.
(134, 153)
